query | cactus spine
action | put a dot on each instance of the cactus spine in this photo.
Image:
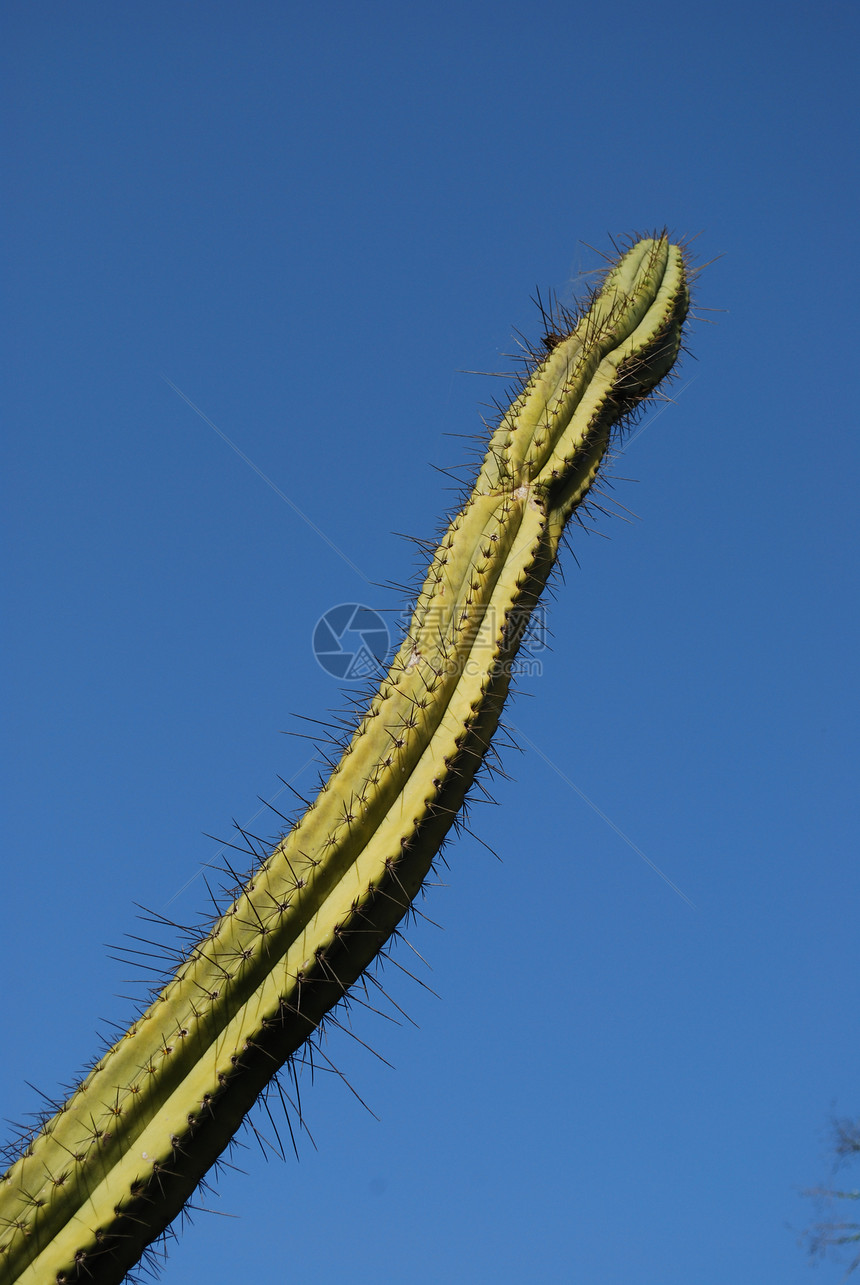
(109, 1172)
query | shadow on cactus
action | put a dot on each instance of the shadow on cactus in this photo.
(108, 1173)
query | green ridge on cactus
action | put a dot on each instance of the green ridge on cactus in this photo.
(117, 1163)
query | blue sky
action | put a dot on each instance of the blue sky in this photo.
(310, 220)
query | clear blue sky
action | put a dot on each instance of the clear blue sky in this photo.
(310, 219)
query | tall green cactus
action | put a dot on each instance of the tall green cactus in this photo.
(118, 1161)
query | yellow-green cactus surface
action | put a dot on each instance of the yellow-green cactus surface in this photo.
(116, 1164)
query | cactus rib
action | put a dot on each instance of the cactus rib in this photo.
(116, 1164)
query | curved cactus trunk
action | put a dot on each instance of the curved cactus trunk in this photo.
(115, 1166)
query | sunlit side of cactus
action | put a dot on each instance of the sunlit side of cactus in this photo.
(116, 1164)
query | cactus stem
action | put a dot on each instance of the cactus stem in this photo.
(120, 1159)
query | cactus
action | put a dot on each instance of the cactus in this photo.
(110, 1171)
